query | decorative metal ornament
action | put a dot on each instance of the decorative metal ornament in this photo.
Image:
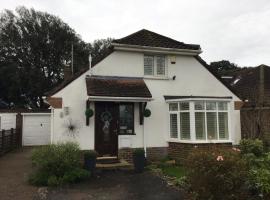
(106, 118)
(71, 128)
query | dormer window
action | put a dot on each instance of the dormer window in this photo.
(155, 65)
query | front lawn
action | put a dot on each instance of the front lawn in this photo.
(173, 171)
(221, 173)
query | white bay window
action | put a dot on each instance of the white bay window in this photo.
(199, 121)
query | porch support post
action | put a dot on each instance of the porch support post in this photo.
(87, 106)
(141, 113)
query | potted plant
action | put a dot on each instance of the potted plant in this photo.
(90, 157)
(139, 160)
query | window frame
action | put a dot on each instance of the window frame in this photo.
(192, 112)
(133, 124)
(155, 75)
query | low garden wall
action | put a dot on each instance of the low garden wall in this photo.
(180, 151)
(153, 153)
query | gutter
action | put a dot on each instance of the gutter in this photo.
(138, 48)
(127, 99)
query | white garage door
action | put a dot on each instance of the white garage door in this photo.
(36, 129)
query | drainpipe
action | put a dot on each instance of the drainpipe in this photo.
(144, 141)
(144, 135)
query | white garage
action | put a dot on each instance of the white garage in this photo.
(36, 129)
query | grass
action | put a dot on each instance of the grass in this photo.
(173, 170)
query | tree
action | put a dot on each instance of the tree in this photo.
(34, 47)
(100, 47)
(224, 67)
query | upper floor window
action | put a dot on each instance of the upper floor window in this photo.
(154, 65)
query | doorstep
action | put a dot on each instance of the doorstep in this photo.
(119, 165)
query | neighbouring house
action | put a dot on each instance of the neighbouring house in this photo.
(190, 106)
(253, 85)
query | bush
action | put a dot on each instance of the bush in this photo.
(259, 174)
(252, 146)
(57, 164)
(217, 174)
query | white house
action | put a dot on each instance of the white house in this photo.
(188, 103)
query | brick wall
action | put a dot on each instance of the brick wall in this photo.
(180, 151)
(153, 153)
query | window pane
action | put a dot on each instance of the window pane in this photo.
(199, 105)
(222, 105)
(126, 121)
(200, 125)
(160, 65)
(173, 106)
(211, 118)
(223, 125)
(173, 126)
(211, 106)
(148, 65)
(184, 106)
(185, 125)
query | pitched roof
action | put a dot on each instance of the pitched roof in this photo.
(224, 82)
(95, 61)
(148, 38)
(246, 83)
(117, 86)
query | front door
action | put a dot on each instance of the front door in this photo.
(106, 126)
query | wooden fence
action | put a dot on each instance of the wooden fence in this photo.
(9, 140)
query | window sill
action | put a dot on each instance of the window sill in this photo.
(200, 141)
(123, 134)
(156, 77)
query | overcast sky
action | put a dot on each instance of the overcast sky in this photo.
(235, 30)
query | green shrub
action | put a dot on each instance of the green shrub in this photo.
(259, 174)
(252, 146)
(57, 164)
(217, 174)
(75, 175)
(54, 181)
(89, 154)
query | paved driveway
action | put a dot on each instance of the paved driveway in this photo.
(119, 185)
(14, 170)
(109, 185)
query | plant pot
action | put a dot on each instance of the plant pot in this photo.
(139, 163)
(90, 164)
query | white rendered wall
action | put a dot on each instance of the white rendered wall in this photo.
(191, 79)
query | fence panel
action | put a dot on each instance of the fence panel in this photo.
(9, 140)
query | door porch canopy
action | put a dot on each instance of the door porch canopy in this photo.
(112, 88)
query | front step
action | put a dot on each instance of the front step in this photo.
(121, 164)
(107, 160)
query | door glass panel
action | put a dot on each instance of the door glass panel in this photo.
(106, 118)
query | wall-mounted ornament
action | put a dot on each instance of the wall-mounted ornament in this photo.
(147, 113)
(88, 114)
(71, 128)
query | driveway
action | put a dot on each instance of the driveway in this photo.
(14, 170)
(107, 185)
(118, 185)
